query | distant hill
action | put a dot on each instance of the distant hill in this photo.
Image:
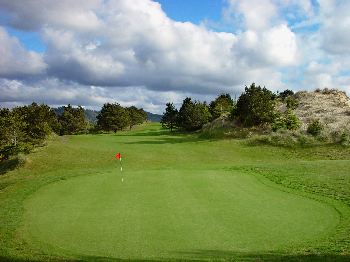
(154, 117)
(92, 114)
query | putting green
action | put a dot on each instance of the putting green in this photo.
(171, 214)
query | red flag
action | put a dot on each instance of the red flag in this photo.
(117, 156)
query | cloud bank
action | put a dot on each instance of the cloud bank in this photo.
(131, 52)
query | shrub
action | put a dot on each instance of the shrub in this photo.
(292, 104)
(9, 150)
(344, 139)
(286, 93)
(315, 127)
(288, 121)
(291, 122)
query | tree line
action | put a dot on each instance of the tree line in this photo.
(23, 128)
(254, 107)
(192, 115)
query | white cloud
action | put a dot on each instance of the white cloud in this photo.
(129, 51)
(316, 68)
(274, 47)
(311, 82)
(32, 15)
(343, 84)
(336, 39)
(253, 14)
(15, 60)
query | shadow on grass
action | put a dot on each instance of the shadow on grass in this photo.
(203, 256)
(145, 133)
(163, 140)
(153, 132)
(11, 164)
(164, 137)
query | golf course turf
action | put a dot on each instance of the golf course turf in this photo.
(181, 199)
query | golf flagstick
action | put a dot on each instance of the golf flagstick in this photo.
(121, 168)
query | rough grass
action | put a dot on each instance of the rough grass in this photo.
(307, 171)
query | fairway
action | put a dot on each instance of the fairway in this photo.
(171, 214)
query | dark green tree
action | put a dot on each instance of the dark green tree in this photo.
(170, 116)
(12, 133)
(292, 104)
(193, 115)
(135, 116)
(255, 106)
(12, 127)
(41, 121)
(112, 117)
(285, 93)
(315, 127)
(144, 116)
(287, 120)
(222, 104)
(72, 121)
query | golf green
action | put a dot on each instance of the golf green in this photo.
(171, 214)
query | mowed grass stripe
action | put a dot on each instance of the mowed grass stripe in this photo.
(168, 214)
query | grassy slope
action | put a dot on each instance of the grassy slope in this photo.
(62, 160)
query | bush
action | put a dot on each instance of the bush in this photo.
(292, 104)
(9, 150)
(286, 93)
(289, 122)
(344, 139)
(315, 127)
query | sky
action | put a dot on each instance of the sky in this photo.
(147, 53)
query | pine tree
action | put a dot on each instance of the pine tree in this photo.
(113, 117)
(169, 118)
(255, 106)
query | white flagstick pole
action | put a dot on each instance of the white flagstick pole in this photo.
(121, 168)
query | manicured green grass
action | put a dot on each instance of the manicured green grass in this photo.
(172, 214)
(182, 199)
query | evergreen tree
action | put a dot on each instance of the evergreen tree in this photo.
(170, 116)
(112, 117)
(222, 104)
(12, 127)
(72, 121)
(193, 115)
(255, 106)
(135, 116)
(12, 133)
(41, 120)
(143, 114)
